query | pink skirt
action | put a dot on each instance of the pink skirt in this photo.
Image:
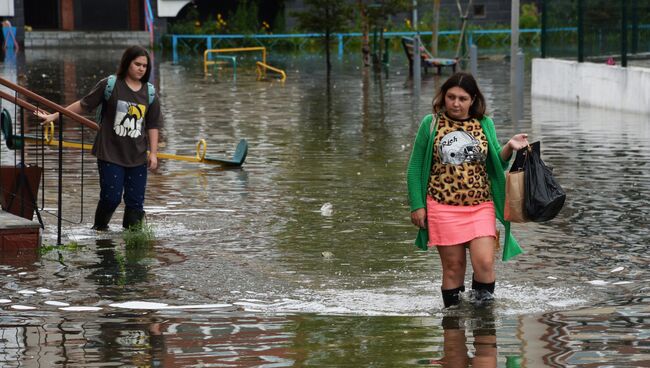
(452, 225)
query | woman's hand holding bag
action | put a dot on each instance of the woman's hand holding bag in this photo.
(532, 193)
(544, 196)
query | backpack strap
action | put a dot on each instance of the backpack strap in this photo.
(151, 91)
(108, 90)
(110, 84)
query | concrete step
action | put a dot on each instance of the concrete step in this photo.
(18, 234)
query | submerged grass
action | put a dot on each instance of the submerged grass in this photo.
(72, 246)
(138, 236)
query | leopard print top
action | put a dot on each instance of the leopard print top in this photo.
(458, 174)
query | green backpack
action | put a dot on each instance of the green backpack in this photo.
(110, 84)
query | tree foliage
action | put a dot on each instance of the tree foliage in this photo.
(529, 17)
(327, 17)
(323, 16)
(379, 11)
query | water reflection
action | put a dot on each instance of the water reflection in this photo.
(605, 336)
(478, 350)
(484, 344)
(254, 238)
(121, 268)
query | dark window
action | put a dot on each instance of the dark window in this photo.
(42, 14)
(479, 11)
(93, 15)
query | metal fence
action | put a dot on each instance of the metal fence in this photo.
(595, 29)
(485, 39)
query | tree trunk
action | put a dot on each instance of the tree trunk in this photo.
(327, 50)
(327, 41)
(365, 30)
(436, 25)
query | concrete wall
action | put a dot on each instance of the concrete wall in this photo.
(81, 39)
(589, 84)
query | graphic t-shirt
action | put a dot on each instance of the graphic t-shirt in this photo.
(126, 117)
(458, 174)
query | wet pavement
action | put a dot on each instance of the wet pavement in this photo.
(304, 256)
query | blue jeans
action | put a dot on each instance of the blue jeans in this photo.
(115, 179)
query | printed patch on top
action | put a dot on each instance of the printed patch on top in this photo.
(458, 147)
(129, 119)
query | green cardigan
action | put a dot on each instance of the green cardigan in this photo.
(419, 170)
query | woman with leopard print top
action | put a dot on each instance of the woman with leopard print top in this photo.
(456, 186)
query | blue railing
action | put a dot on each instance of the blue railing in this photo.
(211, 40)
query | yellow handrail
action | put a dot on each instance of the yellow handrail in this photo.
(48, 134)
(207, 52)
(261, 65)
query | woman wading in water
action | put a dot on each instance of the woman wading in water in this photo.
(456, 187)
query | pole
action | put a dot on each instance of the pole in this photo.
(514, 41)
(518, 90)
(60, 189)
(436, 25)
(473, 59)
(544, 25)
(581, 32)
(416, 53)
(623, 34)
(635, 26)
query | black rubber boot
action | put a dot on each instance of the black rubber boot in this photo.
(132, 217)
(103, 216)
(451, 297)
(483, 293)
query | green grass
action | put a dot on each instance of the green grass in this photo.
(72, 246)
(138, 236)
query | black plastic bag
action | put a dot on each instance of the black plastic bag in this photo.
(544, 196)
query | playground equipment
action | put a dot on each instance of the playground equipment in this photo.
(427, 60)
(261, 71)
(261, 66)
(15, 141)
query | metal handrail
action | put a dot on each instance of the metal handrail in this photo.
(48, 136)
(42, 100)
(62, 112)
(209, 38)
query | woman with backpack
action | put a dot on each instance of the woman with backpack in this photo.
(129, 121)
(456, 187)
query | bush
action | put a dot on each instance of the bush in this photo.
(529, 17)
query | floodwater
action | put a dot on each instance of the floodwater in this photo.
(304, 256)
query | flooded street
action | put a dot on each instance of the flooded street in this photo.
(304, 257)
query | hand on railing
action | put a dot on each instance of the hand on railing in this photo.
(45, 117)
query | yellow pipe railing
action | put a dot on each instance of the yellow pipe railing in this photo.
(207, 52)
(48, 139)
(262, 66)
